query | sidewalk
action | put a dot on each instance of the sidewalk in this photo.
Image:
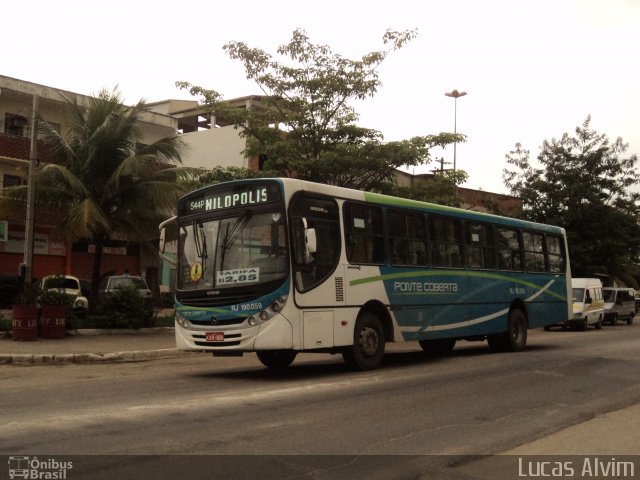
(92, 346)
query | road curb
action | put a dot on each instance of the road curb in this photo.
(118, 331)
(88, 358)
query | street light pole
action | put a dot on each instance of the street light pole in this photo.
(455, 95)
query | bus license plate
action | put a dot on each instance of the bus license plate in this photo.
(215, 336)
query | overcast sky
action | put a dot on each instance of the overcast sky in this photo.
(532, 70)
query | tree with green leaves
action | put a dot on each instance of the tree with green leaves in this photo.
(305, 125)
(584, 184)
(102, 180)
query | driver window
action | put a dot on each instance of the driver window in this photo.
(318, 214)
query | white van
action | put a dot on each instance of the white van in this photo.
(588, 304)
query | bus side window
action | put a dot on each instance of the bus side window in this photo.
(480, 247)
(407, 235)
(509, 249)
(555, 254)
(364, 233)
(445, 235)
(534, 251)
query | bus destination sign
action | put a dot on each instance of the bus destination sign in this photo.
(230, 197)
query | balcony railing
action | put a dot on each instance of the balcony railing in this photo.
(18, 147)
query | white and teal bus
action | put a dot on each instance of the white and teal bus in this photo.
(280, 266)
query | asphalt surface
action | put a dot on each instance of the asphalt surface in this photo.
(614, 433)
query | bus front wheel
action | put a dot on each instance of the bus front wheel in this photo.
(515, 338)
(368, 343)
(276, 358)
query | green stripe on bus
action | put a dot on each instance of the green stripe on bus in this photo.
(450, 273)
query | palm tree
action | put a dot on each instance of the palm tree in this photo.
(102, 180)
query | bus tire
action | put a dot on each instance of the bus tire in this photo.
(630, 319)
(438, 347)
(599, 324)
(277, 359)
(515, 338)
(368, 343)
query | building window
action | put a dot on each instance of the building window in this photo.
(12, 181)
(15, 124)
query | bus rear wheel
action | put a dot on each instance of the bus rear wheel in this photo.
(515, 338)
(368, 343)
(276, 358)
(438, 347)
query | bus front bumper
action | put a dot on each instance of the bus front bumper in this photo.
(274, 334)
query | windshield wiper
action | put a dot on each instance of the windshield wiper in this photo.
(232, 233)
(200, 240)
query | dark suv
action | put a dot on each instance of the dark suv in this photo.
(111, 283)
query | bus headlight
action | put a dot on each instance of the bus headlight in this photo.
(183, 322)
(267, 313)
(279, 304)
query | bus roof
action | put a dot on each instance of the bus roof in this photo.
(292, 184)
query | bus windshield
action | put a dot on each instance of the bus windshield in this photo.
(243, 250)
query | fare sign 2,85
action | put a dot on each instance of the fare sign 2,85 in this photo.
(240, 275)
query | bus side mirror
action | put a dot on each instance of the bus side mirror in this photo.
(310, 244)
(163, 234)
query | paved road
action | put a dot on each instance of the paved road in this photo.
(449, 409)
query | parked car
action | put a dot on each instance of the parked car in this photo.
(113, 282)
(70, 286)
(619, 304)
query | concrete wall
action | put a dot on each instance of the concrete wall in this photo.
(214, 147)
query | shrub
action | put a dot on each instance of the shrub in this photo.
(5, 324)
(125, 308)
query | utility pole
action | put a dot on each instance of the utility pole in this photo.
(27, 263)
